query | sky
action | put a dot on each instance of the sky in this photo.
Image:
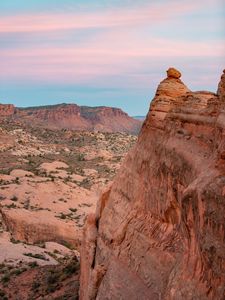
(107, 52)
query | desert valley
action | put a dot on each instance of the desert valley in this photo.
(50, 180)
(157, 230)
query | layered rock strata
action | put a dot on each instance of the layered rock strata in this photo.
(158, 232)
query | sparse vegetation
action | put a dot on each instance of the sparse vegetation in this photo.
(67, 245)
(14, 241)
(14, 198)
(33, 264)
(36, 255)
(35, 147)
(5, 278)
(3, 295)
(64, 216)
(13, 205)
(73, 209)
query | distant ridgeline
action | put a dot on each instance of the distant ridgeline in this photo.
(72, 116)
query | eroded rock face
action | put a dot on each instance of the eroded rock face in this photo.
(158, 232)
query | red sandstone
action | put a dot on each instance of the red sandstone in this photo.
(158, 232)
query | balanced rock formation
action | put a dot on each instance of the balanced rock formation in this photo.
(158, 232)
(173, 73)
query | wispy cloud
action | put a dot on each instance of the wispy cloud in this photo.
(150, 13)
(109, 53)
(115, 47)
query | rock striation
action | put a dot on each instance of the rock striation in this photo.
(72, 116)
(158, 232)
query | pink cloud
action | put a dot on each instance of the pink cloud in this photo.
(114, 52)
(87, 63)
(115, 47)
(151, 14)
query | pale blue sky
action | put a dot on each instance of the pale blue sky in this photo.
(111, 53)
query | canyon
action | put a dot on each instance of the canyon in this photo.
(74, 117)
(158, 230)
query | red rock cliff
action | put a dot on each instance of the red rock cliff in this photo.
(158, 232)
(72, 116)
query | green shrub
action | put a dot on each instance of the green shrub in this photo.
(33, 264)
(3, 295)
(5, 278)
(35, 285)
(36, 255)
(73, 209)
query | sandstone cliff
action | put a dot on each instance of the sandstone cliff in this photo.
(158, 232)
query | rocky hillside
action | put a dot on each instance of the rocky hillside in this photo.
(158, 232)
(72, 116)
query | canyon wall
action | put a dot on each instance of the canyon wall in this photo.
(158, 232)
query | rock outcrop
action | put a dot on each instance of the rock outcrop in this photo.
(158, 232)
(31, 227)
(6, 110)
(72, 116)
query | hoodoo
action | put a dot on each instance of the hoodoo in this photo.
(158, 232)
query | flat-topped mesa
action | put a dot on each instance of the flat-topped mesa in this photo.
(73, 117)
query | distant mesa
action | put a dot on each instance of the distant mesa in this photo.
(74, 117)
